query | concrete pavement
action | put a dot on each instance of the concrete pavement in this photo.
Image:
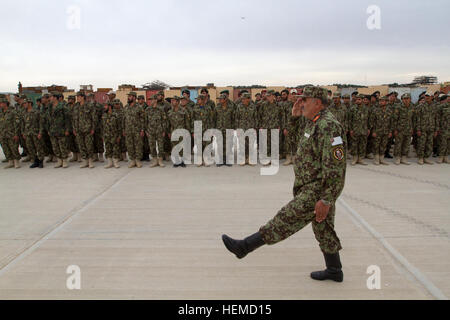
(154, 233)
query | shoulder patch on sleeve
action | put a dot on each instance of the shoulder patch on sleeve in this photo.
(338, 153)
(336, 141)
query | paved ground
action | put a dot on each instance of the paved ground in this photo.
(155, 234)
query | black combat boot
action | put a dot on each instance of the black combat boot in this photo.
(242, 247)
(183, 165)
(333, 270)
(41, 163)
(35, 164)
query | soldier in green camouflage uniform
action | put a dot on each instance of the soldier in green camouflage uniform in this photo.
(347, 107)
(71, 139)
(112, 133)
(32, 128)
(165, 106)
(403, 129)
(358, 127)
(178, 118)
(134, 130)
(46, 105)
(202, 113)
(319, 168)
(443, 120)
(288, 133)
(370, 140)
(225, 116)
(426, 130)
(98, 142)
(9, 134)
(146, 148)
(245, 119)
(270, 117)
(58, 128)
(84, 121)
(381, 123)
(21, 106)
(156, 126)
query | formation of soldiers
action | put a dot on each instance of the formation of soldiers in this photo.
(54, 129)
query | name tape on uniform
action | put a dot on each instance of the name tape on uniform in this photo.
(336, 140)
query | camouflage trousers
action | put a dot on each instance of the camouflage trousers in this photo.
(47, 144)
(86, 145)
(134, 143)
(123, 145)
(359, 144)
(370, 148)
(60, 147)
(10, 148)
(425, 145)
(157, 138)
(290, 142)
(145, 147)
(167, 145)
(402, 143)
(72, 143)
(23, 144)
(379, 144)
(112, 148)
(444, 144)
(35, 147)
(298, 213)
(98, 142)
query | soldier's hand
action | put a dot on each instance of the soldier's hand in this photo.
(66, 133)
(285, 132)
(92, 132)
(435, 134)
(395, 133)
(23, 136)
(118, 140)
(351, 133)
(16, 138)
(39, 136)
(297, 108)
(419, 133)
(141, 133)
(374, 135)
(390, 135)
(368, 132)
(169, 135)
(74, 133)
(164, 134)
(321, 211)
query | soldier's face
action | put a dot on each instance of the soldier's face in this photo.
(366, 101)
(284, 96)
(159, 97)
(186, 95)
(346, 100)
(407, 101)
(310, 107)
(271, 98)
(358, 100)
(336, 100)
(130, 99)
(245, 101)
(258, 97)
(391, 98)
(383, 103)
(183, 102)
(428, 98)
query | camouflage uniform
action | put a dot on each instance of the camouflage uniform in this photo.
(133, 124)
(98, 142)
(178, 119)
(444, 130)
(84, 121)
(146, 149)
(205, 115)
(381, 123)
(167, 145)
(289, 140)
(270, 119)
(112, 134)
(155, 127)
(9, 128)
(225, 120)
(426, 124)
(403, 126)
(45, 135)
(58, 124)
(319, 167)
(32, 126)
(358, 124)
(71, 139)
(246, 118)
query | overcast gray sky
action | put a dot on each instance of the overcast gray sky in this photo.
(285, 42)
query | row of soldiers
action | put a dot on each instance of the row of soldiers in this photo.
(374, 123)
(81, 126)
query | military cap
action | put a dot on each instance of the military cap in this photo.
(55, 93)
(154, 96)
(200, 97)
(176, 98)
(243, 91)
(384, 98)
(80, 93)
(354, 92)
(141, 97)
(389, 93)
(346, 96)
(315, 92)
(71, 97)
(442, 96)
(360, 96)
(376, 92)
(437, 91)
(22, 96)
(186, 91)
(225, 92)
(406, 95)
(183, 98)
(45, 95)
(222, 96)
(168, 99)
(204, 90)
(293, 91)
(246, 95)
(428, 94)
(336, 95)
(160, 93)
(277, 94)
(116, 101)
(270, 92)
(91, 94)
(132, 93)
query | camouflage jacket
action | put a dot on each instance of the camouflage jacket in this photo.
(359, 120)
(203, 114)
(178, 119)
(32, 124)
(246, 117)
(111, 126)
(320, 161)
(403, 115)
(445, 120)
(340, 113)
(224, 117)
(426, 118)
(271, 114)
(155, 120)
(134, 119)
(286, 113)
(58, 120)
(9, 123)
(84, 118)
(99, 110)
(381, 120)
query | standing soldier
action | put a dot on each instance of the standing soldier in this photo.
(21, 104)
(381, 125)
(133, 126)
(98, 142)
(146, 150)
(224, 120)
(370, 140)
(58, 129)
(202, 113)
(426, 130)
(9, 134)
(338, 110)
(165, 106)
(403, 129)
(178, 118)
(246, 119)
(444, 128)
(270, 117)
(319, 179)
(112, 134)
(32, 127)
(187, 95)
(358, 127)
(84, 121)
(286, 121)
(155, 129)
(347, 107)
(393, 103)
(72, 141)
